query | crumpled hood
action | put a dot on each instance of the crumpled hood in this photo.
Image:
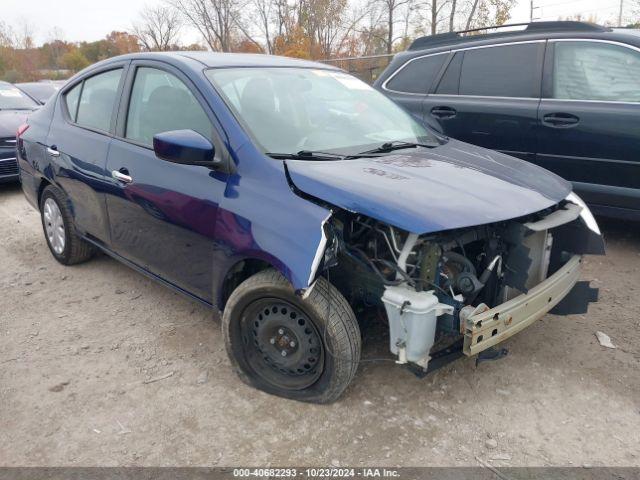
(420, 190)
(10, 120)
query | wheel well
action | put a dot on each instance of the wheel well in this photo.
(44, 183)
(238, 274)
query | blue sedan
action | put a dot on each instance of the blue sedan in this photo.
(302, 204)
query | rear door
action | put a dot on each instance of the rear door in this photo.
(489, 96)
(78, 142)
(162, 214)
(590, 120)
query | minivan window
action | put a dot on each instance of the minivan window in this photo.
(596, 71)
(501, 71)
(292, 109)
(160, 102)
(417, 75)
(97, 100)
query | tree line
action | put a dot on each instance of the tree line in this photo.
(313, 29)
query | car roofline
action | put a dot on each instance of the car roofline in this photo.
(531, 28)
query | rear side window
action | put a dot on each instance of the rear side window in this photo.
(502, 71)
(417, 75)
(596, 71)
(71, 98)
(160, 102)
(97, 100)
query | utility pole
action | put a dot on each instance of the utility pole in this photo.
(620, 13)
(531, 11)
(532, 8)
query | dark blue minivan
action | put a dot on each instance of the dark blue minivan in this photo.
(303, 204)
(563, 95)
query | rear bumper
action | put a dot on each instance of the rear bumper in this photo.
(8, 170)
(486, 329)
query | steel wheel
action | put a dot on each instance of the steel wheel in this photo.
(54, 226)
(281, 344)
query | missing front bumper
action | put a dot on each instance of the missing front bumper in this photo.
(490, 327)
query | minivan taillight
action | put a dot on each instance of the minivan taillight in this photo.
(21, 129)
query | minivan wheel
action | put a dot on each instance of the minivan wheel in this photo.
(284, 345)
(66, 246)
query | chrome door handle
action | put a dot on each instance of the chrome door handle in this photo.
(53, 151)
(123, 177)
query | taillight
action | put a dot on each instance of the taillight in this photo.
(21, 129)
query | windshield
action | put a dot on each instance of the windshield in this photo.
(13, 99)
(293, 109)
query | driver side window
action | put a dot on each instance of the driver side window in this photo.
(160, 102)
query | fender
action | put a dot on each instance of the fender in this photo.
(268, 221)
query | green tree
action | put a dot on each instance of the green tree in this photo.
(74, 60)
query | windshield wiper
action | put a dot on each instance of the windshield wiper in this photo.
(397, 145)
(307, 155)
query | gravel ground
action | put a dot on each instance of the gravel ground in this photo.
(101, 366)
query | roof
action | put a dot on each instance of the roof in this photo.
(534, 29)
(217, 59)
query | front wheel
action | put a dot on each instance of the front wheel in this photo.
(303, 349)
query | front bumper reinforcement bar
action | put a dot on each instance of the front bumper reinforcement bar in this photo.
(485, 329)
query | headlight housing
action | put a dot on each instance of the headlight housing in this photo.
(585, 214)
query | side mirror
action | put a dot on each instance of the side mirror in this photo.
(186, 147)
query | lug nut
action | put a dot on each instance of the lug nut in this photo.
(292, 344)
(272, 341)
(284, 354)
(281, 331)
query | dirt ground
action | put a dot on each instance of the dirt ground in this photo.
(78, 346)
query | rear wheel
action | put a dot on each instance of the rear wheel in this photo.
(304, 349)
(66, 246)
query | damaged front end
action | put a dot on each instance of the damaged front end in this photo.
(464, 289)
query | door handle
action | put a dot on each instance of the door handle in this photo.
(122, 175)
(53, 151)
(443, 112)
(560, 120)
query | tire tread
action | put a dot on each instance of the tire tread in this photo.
(79, 249)
(342, 328)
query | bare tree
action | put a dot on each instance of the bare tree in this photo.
(7, 37)
(216, 20)
(271, 19)
(390, 8)
(435, 8)
(158, 27)
(265, 20)
(470, 17)
(24, 37)
(452, 15)
(485, 13)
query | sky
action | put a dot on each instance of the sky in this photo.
(91, 20)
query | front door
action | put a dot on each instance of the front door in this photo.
(590, 121)
(163, 214)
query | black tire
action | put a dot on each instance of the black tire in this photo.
(76, 250)
(339, 337)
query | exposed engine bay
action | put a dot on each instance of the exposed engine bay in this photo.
(435, 287)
